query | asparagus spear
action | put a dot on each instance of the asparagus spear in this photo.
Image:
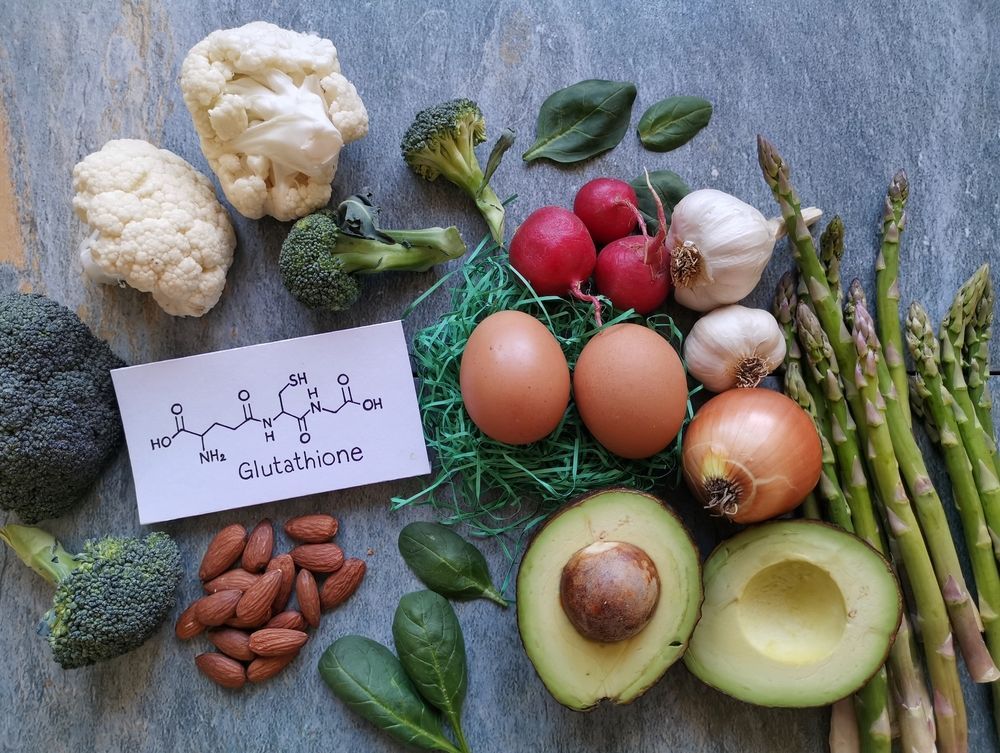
(859, 357)
(837, 510)
(977, 359)
(974, 437)
(844, 728)
(927, 356)
(887, 288)
(916, 721)
(810, 507)
(831, 251)
(825, 371)
(948, 703)
(926, 353)
(964, 615)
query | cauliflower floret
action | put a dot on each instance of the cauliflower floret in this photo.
(156, 225)
(272, 111)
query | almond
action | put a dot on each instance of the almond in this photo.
(260, 546)
(312, 529)
(339, 586)
(236, 579)
(308, 597)
(276, 641)
(257, 599)
(291, 620)
(221, 670)
(223, 551)
(233, 643)
(187, 624)
(216, 608)
(318, 558)
(266, 667)
(240, 624)
(284, 563)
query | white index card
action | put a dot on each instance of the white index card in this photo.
(274, 421)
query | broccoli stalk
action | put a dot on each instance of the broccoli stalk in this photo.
(324, 251)
(442, 140)
(109, 599)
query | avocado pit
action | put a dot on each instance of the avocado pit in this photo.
(609, 590)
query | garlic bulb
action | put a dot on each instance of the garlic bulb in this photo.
(734, 346)
(719, 247)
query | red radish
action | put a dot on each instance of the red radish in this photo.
(605, 206)
(634, 271)
(623, 276)
(553, 251)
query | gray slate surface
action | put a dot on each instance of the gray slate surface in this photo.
(848, 91)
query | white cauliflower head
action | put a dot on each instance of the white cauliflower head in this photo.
(156, 225)
(273, 111)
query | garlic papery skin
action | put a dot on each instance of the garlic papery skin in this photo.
(734, 346)
(719, 246)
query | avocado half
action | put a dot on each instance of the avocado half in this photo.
(580, 671)
(797, 613)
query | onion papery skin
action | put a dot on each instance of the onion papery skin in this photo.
(756, 450)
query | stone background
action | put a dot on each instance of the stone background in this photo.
(848, 91)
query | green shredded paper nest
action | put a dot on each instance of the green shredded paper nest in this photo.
(495, 488)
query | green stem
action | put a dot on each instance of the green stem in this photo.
(887, 288)
(927, 357)
(456, 725)
(910, 694)
(837, 510)
(977, 364)
(810, 507)
(974, 437)
(858, 356)
(831, 251)
(39, 550)
(491, 208)
(965, 618)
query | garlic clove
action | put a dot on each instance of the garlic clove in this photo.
(719, 247)
(811, 216)
(734, 346)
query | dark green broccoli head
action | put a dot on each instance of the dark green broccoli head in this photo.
(109, 598)
(59, 420)
(442, 141)
(310, 269)
(115, 599)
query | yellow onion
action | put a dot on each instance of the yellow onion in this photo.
(751, 454)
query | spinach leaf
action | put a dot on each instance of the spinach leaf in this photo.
(371, 681)
(670, 187)
(672, 122)
(431, 649)
(582, 120)
(446, 562)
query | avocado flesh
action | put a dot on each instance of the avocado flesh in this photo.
(796, 614)
(579, 672)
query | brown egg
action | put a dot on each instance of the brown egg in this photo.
(514, 378)
(631, 390)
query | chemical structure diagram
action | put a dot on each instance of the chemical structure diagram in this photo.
(297, 402)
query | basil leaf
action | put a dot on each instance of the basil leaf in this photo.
(582, 120)
(670, 187)
(672, 122)
(432, 651)
(504, 142)
(371, 681)
(446, 562)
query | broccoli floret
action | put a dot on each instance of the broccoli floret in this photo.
(442, 140)
(324, 251)
(109, 598)
(59, 420)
